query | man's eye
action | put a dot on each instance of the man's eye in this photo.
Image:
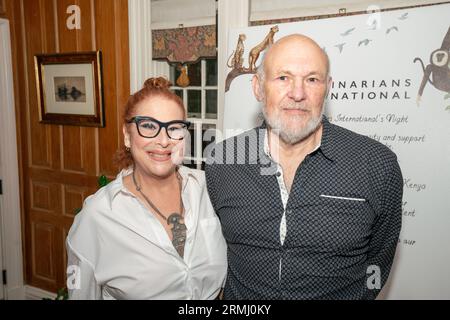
(313, 80)
(282, 78)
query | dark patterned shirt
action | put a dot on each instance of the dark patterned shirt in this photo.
(343, 217)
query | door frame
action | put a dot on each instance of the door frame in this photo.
(11, 215)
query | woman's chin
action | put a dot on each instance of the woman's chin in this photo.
(162, 169)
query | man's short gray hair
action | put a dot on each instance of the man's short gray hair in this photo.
(261, 72)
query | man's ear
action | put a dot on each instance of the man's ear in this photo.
(126, 136)
(257, 86)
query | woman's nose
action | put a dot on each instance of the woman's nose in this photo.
(163, 138)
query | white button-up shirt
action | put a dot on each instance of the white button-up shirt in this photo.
(117, 249)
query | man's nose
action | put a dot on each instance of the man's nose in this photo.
(297, 90)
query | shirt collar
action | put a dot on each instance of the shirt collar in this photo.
(116, 186)
(328, 144)
(186, 175)
(326, 137)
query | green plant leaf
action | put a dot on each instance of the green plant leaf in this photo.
(62, 294)
(102, 181)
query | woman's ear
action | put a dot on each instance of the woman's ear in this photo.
(126, 136)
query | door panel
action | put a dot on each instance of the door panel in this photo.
(60, 164)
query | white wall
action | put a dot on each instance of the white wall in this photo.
(171, 13)
(269, 9)
(9, 173)
(167, 14)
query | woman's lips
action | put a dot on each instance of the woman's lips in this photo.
(160, 156)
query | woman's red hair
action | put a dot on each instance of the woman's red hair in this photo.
(153, 87)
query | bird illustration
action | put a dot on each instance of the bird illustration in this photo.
(403, 16)
(340, 46)
(391, 28)
(364, 42)
(346, 33)
(374, 25)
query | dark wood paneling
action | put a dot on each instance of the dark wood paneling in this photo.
(35, 43)
(86, 42)
(44, 197)
(73, 196)
(105, 33)
(123, 74)
(72, 149)
(71, 135)
(2, 9)
(43, 252)
(59, 165)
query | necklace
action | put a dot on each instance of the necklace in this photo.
(175, 219)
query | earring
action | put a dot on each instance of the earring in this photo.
(127, 149)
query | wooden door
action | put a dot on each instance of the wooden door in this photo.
(60, 164)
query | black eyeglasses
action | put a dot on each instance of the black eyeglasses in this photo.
(149, 127)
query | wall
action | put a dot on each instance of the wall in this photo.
(271, 10)
(171, 13)
(168, 14)
(59, 165)
(2, 9)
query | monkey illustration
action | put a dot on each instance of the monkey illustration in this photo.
(254, 53)
(438, 69)
(238, 54)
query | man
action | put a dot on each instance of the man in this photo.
(314, 211)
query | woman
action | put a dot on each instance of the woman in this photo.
(152, 232)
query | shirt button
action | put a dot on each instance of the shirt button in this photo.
(278, 174)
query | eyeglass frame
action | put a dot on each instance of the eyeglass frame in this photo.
(161, 125)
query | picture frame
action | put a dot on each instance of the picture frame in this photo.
(69, 88)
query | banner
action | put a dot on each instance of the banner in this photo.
(391, 82)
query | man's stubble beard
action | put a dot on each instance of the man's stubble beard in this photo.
(291, 134)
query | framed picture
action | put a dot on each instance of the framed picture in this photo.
(69, 88)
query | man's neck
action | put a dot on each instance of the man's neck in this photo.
(290, 156)
(282, 151)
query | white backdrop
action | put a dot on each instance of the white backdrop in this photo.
(375, 91)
